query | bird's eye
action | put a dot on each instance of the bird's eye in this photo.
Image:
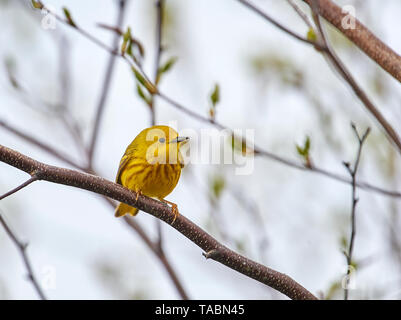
(162, 140)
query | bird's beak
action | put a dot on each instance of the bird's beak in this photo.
(179, 140)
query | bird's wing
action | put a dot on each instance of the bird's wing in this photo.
(123, 162)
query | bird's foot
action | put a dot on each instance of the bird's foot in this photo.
(174, 208)
(138, 193)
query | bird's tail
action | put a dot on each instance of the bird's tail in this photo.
(122, 209)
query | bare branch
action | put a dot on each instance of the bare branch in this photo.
(64, 114)
(303, 16)
(231, 259)
(41, 145)
(152, 106)
(26, 183)
(106, 84)
(353, 171)
(265, 16)
(22, 249)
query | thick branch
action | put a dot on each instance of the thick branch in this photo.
(362, 37)
(231, 259)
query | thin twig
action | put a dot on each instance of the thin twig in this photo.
(36, 142)
(117, 30)
(64, 114)
(22, 249)
(106, 85)
(152, 106)
(231, 259)
(265, 16)
(303, 16)
(33, 178)
(353, 172)
(159, 50)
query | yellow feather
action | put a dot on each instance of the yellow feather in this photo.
(151, 165)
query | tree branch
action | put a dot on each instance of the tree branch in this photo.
(41, 145)
(22, 249)
(23, 185)
(353, 171)
(159, 33)
(159, 50)
(265, 16)
(106, 84)
(231, 259)
(303, 16)
(362, 37)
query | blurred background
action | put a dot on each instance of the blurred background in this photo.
(293, 221)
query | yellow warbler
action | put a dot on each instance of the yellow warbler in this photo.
(151, 165)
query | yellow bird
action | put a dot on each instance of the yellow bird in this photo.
(151, 166)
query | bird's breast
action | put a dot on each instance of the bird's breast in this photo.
(153, 180)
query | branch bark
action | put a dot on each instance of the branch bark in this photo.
(211, 247)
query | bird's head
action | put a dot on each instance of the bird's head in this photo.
(161, 144)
